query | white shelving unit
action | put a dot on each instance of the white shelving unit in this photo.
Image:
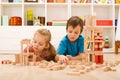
(52, 11)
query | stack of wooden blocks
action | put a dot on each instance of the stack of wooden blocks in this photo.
(93, 39)
(25, 56)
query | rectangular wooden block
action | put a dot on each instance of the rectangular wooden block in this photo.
(99, 59)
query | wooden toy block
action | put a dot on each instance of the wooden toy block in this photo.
(37, 63)
(92, 57)
(31, 63)
(113, 69)
(17, 58)
(88, 21)
(42, 65)
(98, 65)
(107, 68)
(93, 23)
(98, 52)
(80, 67)
(25, 55)
(56, 67)
(117, 45)
(82, 71)
(72, 66)
(117, 62)
(95, 41)
(93, 66)
(99, 59)
(87, 69)
(6, 62)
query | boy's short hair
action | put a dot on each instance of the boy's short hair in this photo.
(74, 21)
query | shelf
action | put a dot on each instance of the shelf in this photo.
(82, 10)
(104, 12)
(56, 11)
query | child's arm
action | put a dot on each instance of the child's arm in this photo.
(78, 57)
(61, 58)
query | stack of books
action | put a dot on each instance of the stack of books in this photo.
(59, 22)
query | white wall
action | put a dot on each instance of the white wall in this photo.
(10, 37)
(118, 34)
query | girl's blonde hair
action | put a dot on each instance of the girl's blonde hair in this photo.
(44, 32)
(50, 48)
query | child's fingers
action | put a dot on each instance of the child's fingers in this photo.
(63, 59)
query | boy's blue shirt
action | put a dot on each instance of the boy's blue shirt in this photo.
(67, 48)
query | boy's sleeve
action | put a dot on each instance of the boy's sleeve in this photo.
(62, 48)
(81, 45)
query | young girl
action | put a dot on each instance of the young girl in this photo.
(41, 45)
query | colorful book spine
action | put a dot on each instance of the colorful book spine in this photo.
(59, 22)
(5, 21)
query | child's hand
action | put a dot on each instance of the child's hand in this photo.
(69, 57)
(63, 59)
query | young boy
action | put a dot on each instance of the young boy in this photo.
(71, 46)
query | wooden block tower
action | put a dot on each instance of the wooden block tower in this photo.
(25, 56)
(93, 41)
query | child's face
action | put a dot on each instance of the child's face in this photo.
(39, 43)
(73, 33)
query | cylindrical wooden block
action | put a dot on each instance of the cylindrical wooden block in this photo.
(17, 58)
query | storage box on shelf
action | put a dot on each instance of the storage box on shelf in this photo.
(60, 11)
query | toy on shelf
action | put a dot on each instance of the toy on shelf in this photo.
(117, 1)
(106, 42)
(15, 21)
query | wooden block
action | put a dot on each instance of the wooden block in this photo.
(31, 63)
(80, 67)
(13, 63)
(82, 71)
(17, 58)
(113, 69)
(99, 59)
(42, 65)
(107, 68)
(72, 66)
(87, 69)
(57, 67)
(37, 63)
